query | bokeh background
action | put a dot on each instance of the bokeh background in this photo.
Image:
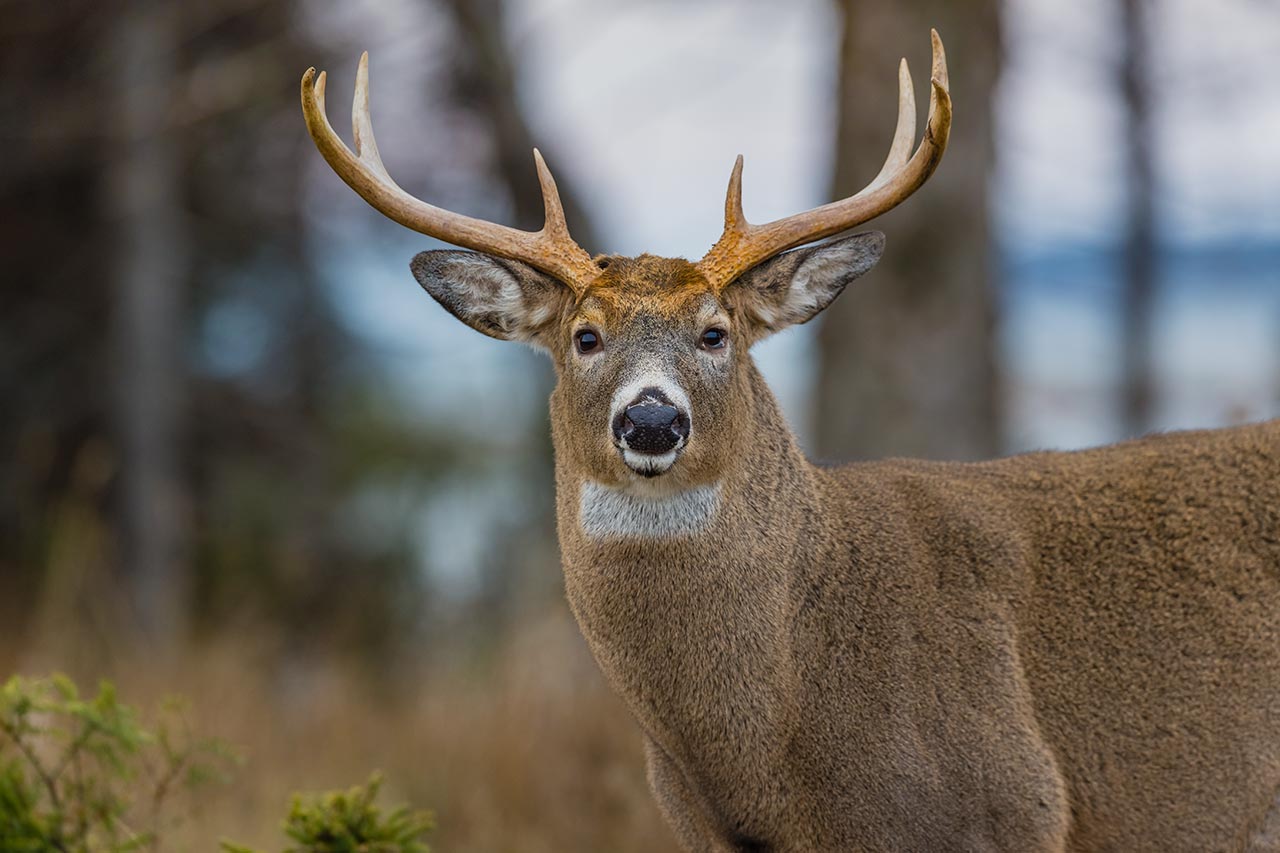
(245, 458)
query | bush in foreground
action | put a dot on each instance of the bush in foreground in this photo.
(85, 775)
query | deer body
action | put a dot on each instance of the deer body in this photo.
(924, 656)
(1052, 652)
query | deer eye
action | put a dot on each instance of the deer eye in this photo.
(714, 338)
(586, 340)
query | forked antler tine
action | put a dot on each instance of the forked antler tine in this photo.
(551, 250)
(939, 71)
(904, 136)
(554, 222)
(733, 215)
(743, 245)
(362, 125)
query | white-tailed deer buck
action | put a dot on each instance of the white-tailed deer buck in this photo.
(1057, 651)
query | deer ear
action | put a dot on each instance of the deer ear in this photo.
(795, 286)
(502, 298)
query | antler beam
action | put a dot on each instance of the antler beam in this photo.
(744, 245)
(551, 250)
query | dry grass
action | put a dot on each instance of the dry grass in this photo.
(530, 752)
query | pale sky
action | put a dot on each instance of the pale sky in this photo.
(652, 101)
(1217, 117)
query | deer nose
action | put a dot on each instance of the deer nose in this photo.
(651, 425)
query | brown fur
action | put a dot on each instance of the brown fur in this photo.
(1051, 652)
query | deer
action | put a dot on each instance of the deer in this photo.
(1055, 651)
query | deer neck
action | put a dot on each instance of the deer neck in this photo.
(684, 598)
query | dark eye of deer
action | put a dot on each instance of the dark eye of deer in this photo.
(587, 340)
(714, 338)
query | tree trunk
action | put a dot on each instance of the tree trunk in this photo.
(150, 273)
(906, 356)
(1139, 251)
(491, 87)
(487, 78)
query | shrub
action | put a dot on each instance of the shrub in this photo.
(85, 775)
(349, 822)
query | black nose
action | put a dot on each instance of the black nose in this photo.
(651, 426)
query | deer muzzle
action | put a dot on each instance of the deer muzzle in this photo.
(650, 430)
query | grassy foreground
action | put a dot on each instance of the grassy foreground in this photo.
(526, 751)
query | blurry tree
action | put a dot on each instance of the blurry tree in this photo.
(54, 296)
(143, 184)
(1139, 247)
(484, 81)
(906, 357)
(169, 360)
(182, 400)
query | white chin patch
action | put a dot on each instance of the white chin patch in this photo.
(648, 464)
(607, 513)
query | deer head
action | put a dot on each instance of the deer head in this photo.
(651, 354)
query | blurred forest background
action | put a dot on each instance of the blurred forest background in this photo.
(244, 458)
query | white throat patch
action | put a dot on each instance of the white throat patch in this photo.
(607, 513)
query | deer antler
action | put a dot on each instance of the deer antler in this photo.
(744, 245)
(551, 250)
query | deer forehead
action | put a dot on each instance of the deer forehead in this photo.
(664, 283)
(659, 289)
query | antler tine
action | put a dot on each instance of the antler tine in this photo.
(362, 125)
(734, 218)
(939, 72)
(905, 134)
(744, 245)
(553, 221)
(551, 250)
